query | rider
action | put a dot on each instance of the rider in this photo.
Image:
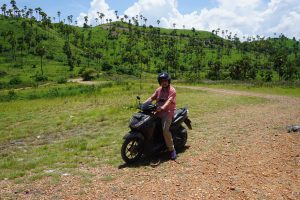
(165, 97)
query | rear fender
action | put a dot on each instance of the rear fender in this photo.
(188, 122)
(134, 135)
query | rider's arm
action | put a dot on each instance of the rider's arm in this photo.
(168, 102)
(171, 99)
(149, 100)
(152, 98)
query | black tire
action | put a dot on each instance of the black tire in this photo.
(131, 150)
(180, 138)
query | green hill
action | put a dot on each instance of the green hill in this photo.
(32, 52)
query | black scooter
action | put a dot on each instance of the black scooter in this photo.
(145, 136)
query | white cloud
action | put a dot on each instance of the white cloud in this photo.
(249, 17)
(282, 16)
(154, 10)
(97, 6)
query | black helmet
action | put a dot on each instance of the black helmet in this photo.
(165, 76)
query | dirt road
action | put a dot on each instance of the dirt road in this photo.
(243, 152)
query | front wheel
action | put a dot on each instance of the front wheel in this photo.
(131, 150)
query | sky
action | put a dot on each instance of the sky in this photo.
(241, 17)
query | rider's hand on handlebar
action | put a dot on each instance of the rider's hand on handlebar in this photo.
(158, 109)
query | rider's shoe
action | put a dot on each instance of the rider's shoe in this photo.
(173, 155)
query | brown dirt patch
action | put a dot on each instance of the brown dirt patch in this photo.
(240, 153)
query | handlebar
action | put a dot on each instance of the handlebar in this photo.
(147, 107)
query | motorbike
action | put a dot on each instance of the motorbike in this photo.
(146, 136)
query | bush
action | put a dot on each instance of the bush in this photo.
(61, 80)
(89, 74)
(40, 78)
(125, 70)
(15, 81)
(267, 76)
(2, 73)
(10, 96)
(106, 66)
(50, 56)
(214, 72)
(17, 65)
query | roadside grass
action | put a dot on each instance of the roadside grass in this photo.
(286, 91)
(53, 135)
(266, 88)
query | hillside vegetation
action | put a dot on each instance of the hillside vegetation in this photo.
(35, 48)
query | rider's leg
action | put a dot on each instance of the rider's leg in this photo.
(166, 123)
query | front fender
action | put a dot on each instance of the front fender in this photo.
(133, 135)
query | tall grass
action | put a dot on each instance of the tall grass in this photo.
(52, 92)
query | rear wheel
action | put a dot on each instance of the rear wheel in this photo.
(131, 150)
(180, 138)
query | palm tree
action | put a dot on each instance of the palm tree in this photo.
(3, 8)
(70, 19)
(116, 13)
(158, 22)
(101, 17)
(38, 12)
(13, 42)
(41, 51)
(30, 11)
(86, 19)
(110, 20)
(58, 14)
(9, 12)
(141, 17)
(13, 4)
(16, 10)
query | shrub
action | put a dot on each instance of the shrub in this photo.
(17, 65)
(40, 78)
(89, 74)
(61, 80)
(50, 56)
(15, 81)
(11, 95)
(267, 76)
(214, 72)
(106, 66)
(2, 73)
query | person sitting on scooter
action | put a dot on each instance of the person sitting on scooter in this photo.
(165, 97)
